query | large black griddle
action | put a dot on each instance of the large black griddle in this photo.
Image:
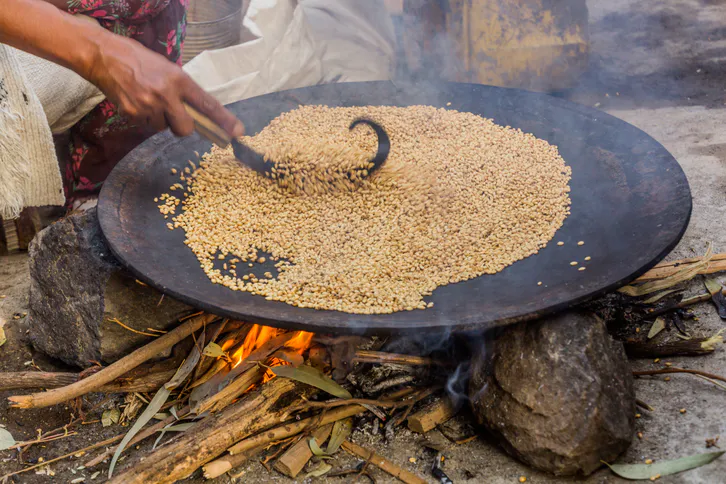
(630, 204)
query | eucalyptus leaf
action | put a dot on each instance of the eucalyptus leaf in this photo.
(182, 427)
(341, 431)
(6, 439)
(657, 327)
(659, 296)
(213, 350)
(712, 285)
(171, 428)
(321, 470)
(664, 468)
(152, 410)
(187, 367)
(312, 376)
(315, 448)
(156, 403)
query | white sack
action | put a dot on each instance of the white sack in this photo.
(300, 44)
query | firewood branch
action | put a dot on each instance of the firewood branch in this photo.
(113, 371)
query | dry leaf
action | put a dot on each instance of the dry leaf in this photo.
(3, 338)
(154, 406)
(685, 274)
(341, 431)
(213, 350)
(312, 376)
(657, 327)
(6, 439)
(321, 470)
(110, 417)
(664, 468)
(659, 296)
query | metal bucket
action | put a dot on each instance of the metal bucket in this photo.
(213, 24)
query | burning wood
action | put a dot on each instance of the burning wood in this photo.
(229, 380)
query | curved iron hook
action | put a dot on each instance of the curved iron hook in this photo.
(384, 142)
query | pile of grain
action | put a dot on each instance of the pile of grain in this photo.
(459, 197)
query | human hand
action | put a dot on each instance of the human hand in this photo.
(152, 90)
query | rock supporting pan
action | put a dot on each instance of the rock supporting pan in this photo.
(630, 204)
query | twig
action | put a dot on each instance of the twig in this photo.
(678, 370)
(115, 320)
(720, 385)
(294, 428)
(691, 347)
(113, 371)
(365, 356)
(644, 405)
(145, 433)
(35, 379)
(350, 401)
(207, 439)
(65, 456)
(382, 463)
(42, 440)
(245, 374)
(665, 269)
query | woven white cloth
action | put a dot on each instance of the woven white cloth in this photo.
(65, 96)
(29, 173)
(37, 99)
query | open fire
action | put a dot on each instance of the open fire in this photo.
(258, 335)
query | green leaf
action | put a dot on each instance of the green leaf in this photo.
(712, 285)
(321, 470)
(341, 431)
(6, 439)
(657, 327)
(659, 296)
(156, 403)
(110, 417)
(186, 368)
(213, 350)
(664, 468)
(182, 427)
(315, 447)
(3, 338)
(312, 376)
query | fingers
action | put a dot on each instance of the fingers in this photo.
(213, 109)
(180, 122)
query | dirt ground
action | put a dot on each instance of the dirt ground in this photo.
(659, 65)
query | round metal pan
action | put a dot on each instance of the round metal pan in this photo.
(631, 204)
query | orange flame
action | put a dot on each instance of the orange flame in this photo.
(300, 342)
(259, 335)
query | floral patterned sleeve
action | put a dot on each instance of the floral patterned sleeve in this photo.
(105, 136)
(118, 9)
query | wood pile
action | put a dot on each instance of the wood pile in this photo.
(234, 392)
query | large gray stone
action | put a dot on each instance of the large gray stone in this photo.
(76, 286)
(556, 393)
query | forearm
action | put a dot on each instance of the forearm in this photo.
(40, 28)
